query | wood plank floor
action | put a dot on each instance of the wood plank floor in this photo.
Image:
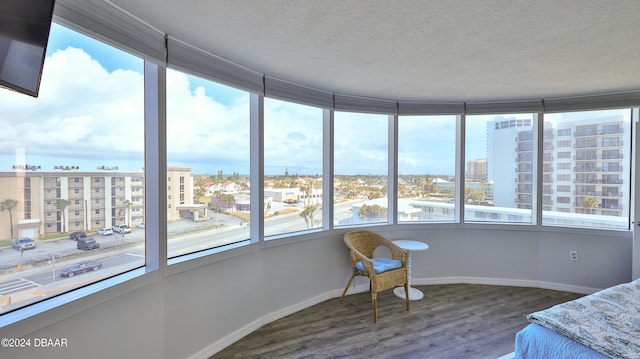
(451, 321)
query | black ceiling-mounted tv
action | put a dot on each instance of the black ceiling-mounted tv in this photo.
(24, 33)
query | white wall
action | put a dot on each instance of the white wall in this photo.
(521, 257)
(197, 312)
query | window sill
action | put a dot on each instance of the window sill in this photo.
(44, 313)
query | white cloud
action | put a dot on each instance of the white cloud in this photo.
(87, 112)
(293, 138)
(361, 143)
(202, 130)
(426, 145)
(82, 111)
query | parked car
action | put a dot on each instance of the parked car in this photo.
(23, 243)
(87, 244)
(105, 231)
(121, 228)
(80, 267)
(77, 235)
(140, 225)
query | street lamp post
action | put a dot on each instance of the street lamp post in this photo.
(53, 271)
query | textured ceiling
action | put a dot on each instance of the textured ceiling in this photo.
(453, 50)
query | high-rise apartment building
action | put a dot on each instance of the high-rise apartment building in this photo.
(477, 170)
(583, 167)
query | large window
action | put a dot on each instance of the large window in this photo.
(595, 187)
(208, 202)
(426, 168)
(500, 172)
(292, 166)
(361, 152)
(73, 187)
(68, 160)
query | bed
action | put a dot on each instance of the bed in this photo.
(605, 324)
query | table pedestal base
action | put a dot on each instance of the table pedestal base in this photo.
(414, 294)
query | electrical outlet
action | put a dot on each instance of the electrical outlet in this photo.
(573, 256)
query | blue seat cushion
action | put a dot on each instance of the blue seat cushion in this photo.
(381, 265)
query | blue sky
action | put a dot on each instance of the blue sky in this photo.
(110, 58)
(90, 114)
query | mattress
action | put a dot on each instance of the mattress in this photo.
(606, 322)
(538, 342)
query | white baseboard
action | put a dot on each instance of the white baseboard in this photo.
(506, 282)
(364, 287)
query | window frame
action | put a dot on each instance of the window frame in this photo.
(591, 130)
(535, 168)
(157, 265)
(108, 288)
(391, 169)
(322, 119)
(180, 181)
(458, 153)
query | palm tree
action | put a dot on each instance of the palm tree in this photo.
(474, 194)
(374, 211)
(61, 205)
(318, 186)
(426, 185)
(305, 188)
(9, 205)
(225, 200)
(127, 211)
(199, 189)
(308, 213)
(483, 187)
(590, 203)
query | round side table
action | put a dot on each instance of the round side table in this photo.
(410, 246)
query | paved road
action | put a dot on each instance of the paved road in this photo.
(10, 258)
(22, 282)
(184, 236)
